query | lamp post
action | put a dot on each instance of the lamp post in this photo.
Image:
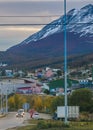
(1, 92)
(6, 101)
(65, 61)
(1, 99)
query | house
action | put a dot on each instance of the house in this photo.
(49, 73)
(9, 73)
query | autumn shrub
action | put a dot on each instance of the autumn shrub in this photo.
(42, 124)
(51, 124)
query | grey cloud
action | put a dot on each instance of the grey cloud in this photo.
(30, 8)
(38, 8)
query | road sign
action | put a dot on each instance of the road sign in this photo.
(26, 106)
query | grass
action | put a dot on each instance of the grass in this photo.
(55, 125)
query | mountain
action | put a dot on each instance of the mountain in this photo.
(47, 45)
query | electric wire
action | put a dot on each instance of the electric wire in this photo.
(39, 24)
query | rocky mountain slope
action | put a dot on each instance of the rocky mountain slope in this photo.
(47, 45)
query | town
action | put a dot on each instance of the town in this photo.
(45, 80)
(46, 65)
(41, 88)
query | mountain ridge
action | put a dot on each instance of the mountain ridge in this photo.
(48, 43)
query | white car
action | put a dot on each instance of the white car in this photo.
(20, 113)
(35, 115)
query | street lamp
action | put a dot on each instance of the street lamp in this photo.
(65, 61)
(1, 98)
(6, 101)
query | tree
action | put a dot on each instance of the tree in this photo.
(11, 103)
(59, 73)
(46, 91)
(3, 73)
(35, 102)
(16, 101)
(57, 101)
(46, 101)
(82, 98)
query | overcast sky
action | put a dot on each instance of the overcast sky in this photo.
(12, 35)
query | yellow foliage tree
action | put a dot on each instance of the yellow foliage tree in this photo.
(11, 103)
(37, 103)
(16, 101)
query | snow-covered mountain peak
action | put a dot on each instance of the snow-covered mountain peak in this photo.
(78, 21)
(87, 7)
(73, 12)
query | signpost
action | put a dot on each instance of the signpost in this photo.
(26, 106)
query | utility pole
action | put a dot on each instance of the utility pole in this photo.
(65, 61)
(6, 101)
(92, 72)
(1, 99)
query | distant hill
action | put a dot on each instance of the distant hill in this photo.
(47, 45)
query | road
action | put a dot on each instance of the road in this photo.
(11, 121)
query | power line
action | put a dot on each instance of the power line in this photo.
(21, 24)
(58, 15)
(38, 24)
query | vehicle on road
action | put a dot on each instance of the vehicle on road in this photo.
(20, 113)
(35, 115)
(72, 112)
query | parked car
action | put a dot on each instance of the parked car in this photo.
(20, 113)
(35, 115)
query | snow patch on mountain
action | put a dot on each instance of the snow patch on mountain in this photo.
(78, 21)
(50, 32)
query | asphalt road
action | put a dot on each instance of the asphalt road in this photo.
(11, 121)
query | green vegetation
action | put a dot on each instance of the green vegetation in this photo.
(81, 97)
(47, 103)
(55, 125)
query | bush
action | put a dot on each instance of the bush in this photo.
(42, 124)
(65, 125)
(54, 124)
